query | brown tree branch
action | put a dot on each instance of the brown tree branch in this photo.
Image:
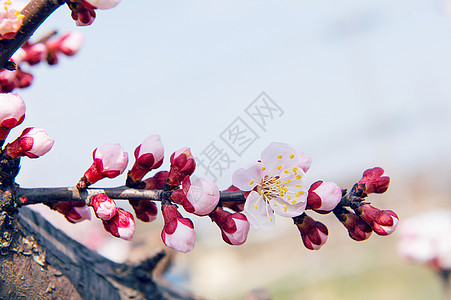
(35, 12)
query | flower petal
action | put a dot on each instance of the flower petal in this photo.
(283, 209)
(259, 214)
(278, 157)
(247, 179)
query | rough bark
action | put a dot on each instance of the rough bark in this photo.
(39, 261)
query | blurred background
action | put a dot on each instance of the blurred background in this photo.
(352, 83)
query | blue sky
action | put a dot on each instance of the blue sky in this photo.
(361, 83)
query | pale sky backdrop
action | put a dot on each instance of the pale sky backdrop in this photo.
(361, 83)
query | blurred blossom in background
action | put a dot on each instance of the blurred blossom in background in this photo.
(359, 83)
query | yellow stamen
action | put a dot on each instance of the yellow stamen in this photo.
(270, 219)
(293, 202)
(274, 203)
(289, 197)
(291, 156)
(256, 206)
(279, 167)
(251, 183)
(280, 156)
(286, 171)
(278, 181)
(295, 169)
(298, 185)
(298, 176)
(288, 180)
(263, 168)
(285, 208)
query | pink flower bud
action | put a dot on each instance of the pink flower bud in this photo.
(110, 160)
(178, 232)
(149, 155)
(122, 225)
(182, 165)
(11, 20)
(383, 222)
(199, 198)
(323, 197)
(145, 210)
(104, 207)
(82, 13)
(375, 180)
(33, 142)
(70, 43)
(314, 233)
(234, 227)
(357, 228)
(34, 53)
(74, 211)
(157, 181)
(12, 112)
(103, 4)
(304, 161)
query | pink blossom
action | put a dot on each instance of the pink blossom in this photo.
(145, 210)
(12, 113)
(304, 161)
(178, 232)
(383, 222)
(82, 13)
(323, 196)
(182, 165)
(103, 4)
(74, 211)
(110, 160)
(122, 225)
(276, 184)
(314, 233)
(11, 20)
(34, 53)
(149, 155)
(199, 198)
(357, 228)
(375, 180)
(104, 207)
(425, 238)
(33, 142)
(234, 227)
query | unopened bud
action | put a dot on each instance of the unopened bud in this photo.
(375, 180)
(12, 112)
(74, 211)
(178, 232)
(383, 222)
(323, 196)
(199, 197)
(104, 207)
(122, 225)
(234, 227)
(149, 155)
(110, 160)
(33, 142)
(145, 210)
(157, 181)
(357, 228)
(182, 165)
(314, 233)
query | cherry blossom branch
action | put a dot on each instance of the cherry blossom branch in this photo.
(41, 195)
(35, 12)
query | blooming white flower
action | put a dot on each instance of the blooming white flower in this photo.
(10, 20)
(276, 183)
